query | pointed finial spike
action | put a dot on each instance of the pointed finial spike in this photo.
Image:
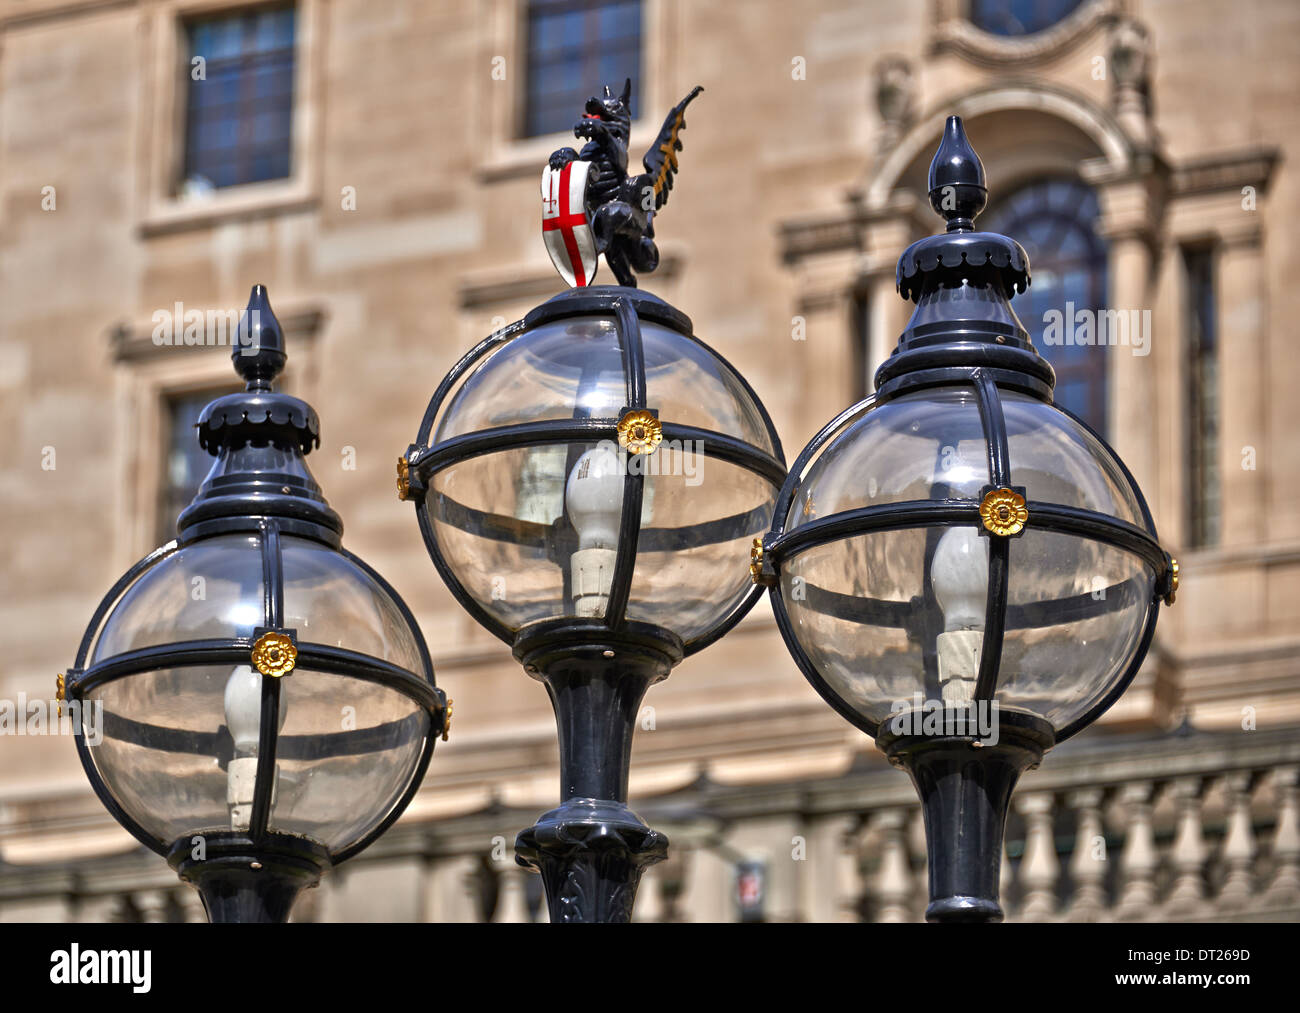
(259, 354)
(956, 181)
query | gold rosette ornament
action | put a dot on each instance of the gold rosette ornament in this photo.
(639, 432)
(274, 654)
(756, 560)
(403, 479)
(1003, 512)
(1173, 582)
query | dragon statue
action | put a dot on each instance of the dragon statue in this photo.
(592, 206)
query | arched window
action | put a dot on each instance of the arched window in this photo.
(1019, 17)
(1054, 219)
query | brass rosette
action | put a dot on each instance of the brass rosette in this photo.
(274, 654)
(639, 432)
(1003, 512)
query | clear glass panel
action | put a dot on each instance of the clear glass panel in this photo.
(863, 656)
(346, 753)
(210, 589)
(1062, 670)
(328, 599)
(930, 445)
(1059, 461)
(1076, 612)
(917, 447)
(547, 509)
(179, 751)
(163, 746)
(575, 367)
(494, 519)
(691, 386)
(699, 518)
(541, 375)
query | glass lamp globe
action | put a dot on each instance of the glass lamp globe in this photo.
(595, 461)
(252, 696)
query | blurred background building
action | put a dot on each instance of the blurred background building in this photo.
(376, 164)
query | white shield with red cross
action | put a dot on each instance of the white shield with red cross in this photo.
(565, 229)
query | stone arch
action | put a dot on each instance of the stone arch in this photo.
(1020, 131)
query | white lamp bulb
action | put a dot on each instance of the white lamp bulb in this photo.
(243, 702)
(959, 573)
(593, 497)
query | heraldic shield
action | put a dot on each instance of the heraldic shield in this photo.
(565, 228)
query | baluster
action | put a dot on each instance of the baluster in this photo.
(1284, 890)
(848, 876)
(649, 901)
(1238, 844)
(152, 905)
(1088, 863)
(1040, 868)
(1187, 898)
(511, 907)
(1139, 859)
(893, 883)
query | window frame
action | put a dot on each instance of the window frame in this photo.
(1098, 371)
(506, 155)
(246, 61)
(163, 207)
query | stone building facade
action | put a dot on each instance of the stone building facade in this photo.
(1148, 148)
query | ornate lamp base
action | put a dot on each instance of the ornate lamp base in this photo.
(965, 787)
(592, 850)
(247, 881)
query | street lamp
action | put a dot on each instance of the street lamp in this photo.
(960, 567)
(581, 479)
(268, 703)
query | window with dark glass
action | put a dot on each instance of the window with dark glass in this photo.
(1019, 17)
(575, 47)
(1054, 220)
(1202, 371)
(239, 106)
(185, 463)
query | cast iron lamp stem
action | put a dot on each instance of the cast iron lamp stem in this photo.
(592, 850)
(965, 786)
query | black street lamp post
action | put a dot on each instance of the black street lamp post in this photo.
(582, 479)
(583, 491)
(268, 703)
(960, 567)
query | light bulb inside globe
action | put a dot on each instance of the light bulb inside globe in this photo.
(243, 702)
(593, 497)
(959, 573)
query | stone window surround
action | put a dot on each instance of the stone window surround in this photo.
(161, 123)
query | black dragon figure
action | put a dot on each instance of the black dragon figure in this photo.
(621, 207)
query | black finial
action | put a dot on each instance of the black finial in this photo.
(957, 189)
(259, 355)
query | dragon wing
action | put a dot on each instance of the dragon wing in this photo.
(661, 160)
